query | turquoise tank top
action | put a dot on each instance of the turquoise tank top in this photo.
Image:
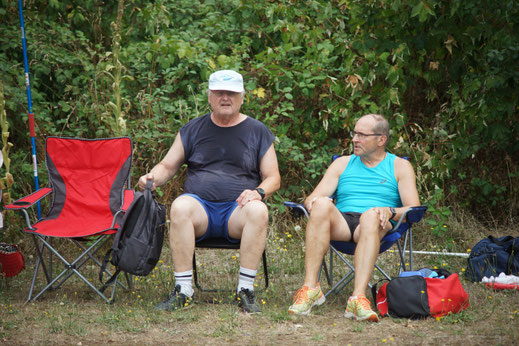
(361, 188)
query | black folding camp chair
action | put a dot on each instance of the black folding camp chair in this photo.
(222, 243)
(89, 184)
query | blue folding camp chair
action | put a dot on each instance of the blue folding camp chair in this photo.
(401, 234)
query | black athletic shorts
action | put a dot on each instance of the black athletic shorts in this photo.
(352, 219)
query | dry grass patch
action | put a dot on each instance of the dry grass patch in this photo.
(75, 315)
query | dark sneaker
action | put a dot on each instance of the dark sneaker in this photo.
(175, 301)
(247, 301)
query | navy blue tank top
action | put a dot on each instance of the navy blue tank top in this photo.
(223, 161)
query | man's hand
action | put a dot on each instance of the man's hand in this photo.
(309, 203)
(143, 179)
(384, 215)
(247, 196)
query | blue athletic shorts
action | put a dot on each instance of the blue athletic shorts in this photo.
(218, 214)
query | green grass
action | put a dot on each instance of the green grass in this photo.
(74, 314)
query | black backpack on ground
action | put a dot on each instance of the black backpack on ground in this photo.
(492, 256)
(138, 241)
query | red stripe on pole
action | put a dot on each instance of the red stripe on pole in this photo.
(31, 125)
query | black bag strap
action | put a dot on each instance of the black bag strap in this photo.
(443, 272)
(374, 290)
(103, 265)
(502, 241)
(110, 281)
(513, 247)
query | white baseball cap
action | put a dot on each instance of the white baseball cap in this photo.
(226, 80)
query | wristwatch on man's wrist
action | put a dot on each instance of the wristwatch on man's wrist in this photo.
(393, 213)
(261, 192)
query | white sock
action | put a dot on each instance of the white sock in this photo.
(246, 279)
(185, 280)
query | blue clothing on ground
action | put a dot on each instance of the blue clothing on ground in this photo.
(361, 188)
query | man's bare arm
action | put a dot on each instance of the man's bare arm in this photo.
(329, 182)
(271, 178)
(168, 167)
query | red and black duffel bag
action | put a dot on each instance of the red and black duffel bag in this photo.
(418, 297)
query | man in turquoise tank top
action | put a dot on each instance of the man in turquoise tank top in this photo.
(372, 187)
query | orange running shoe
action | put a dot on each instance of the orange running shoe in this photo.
(359, 308)
(305, 299)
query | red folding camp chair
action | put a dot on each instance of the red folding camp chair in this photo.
(89, 180)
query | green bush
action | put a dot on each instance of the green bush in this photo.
(443, 72)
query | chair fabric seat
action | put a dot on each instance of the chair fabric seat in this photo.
(84, 227)
(386, 243)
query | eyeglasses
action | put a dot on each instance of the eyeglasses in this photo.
(361, 135)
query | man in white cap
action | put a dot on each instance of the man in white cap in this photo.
(231, 168)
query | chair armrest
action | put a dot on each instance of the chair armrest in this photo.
(297, 209)
(415, 214)
(29, 200)
(410, 216)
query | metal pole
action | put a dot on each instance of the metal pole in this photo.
(32, 132)
(457, 254)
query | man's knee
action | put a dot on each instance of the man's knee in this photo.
(257, 212)
(370, 222)
(369, 218)
(181, 207)
(321, 207)
(184, 210)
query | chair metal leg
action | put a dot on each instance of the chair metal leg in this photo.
(197, 284)
(386, 275)
(195, 275)
(410, 232)
(265, 270)
(335, 288)
(70, 269)
(50, 259)
(324, 267)
(39, 262)
(85, 256)
(33, 282)
(40, 248)
(129, 281)
(331, 263)
(402, 258)
(346, 279)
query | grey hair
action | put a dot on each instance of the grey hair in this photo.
(381, 125)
